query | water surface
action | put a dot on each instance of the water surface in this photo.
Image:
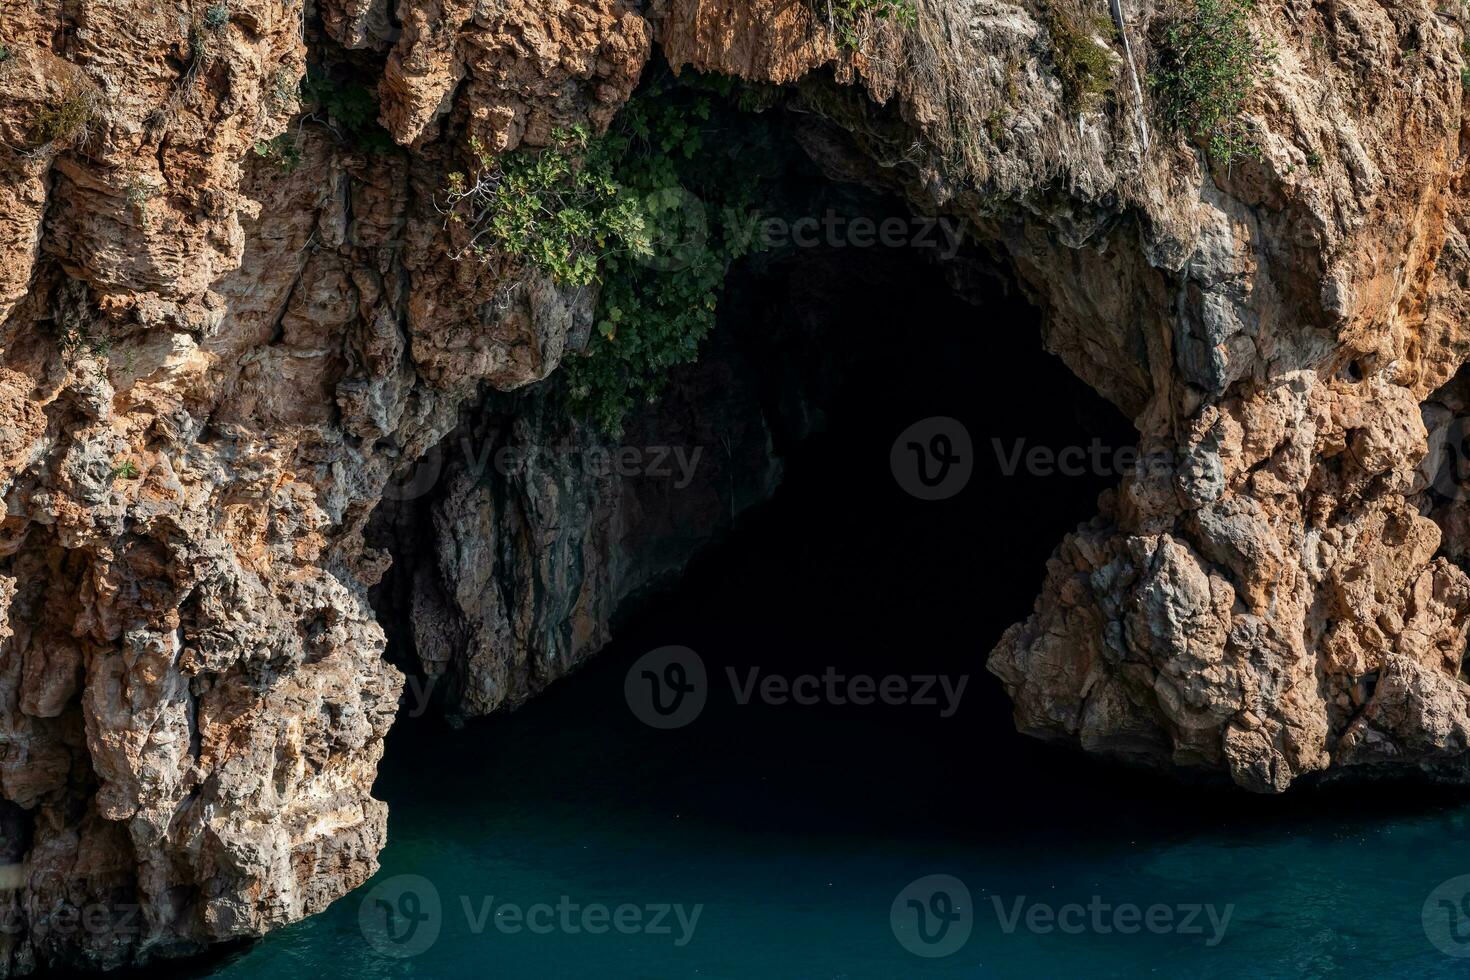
(793, 829)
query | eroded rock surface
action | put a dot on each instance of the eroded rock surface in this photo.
(212, 363)
(520, 535)
(212, 367)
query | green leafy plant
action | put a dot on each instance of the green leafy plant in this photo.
(995, 126)
(139, 194)
(198, 48)
(558, 209)
(282, 150)
(697, 165)
(654, 213)
(1210, 62)
(4, 53)
(216, 16)
(283, 90)
(126, 470)
(348, 108)
(849, 19)
(75, 338)
(1083, 64)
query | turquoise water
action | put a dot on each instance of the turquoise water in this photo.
(795, 830)
(553, 803)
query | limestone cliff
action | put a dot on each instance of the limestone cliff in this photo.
(215, 364)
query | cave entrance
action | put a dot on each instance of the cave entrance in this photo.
(853, 569)
(871, 403)
(826, 362)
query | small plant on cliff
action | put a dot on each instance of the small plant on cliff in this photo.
(64, 120)
(282, 151)
(696, 164)
(652, 213)
(849, 19)
(558, 209)
(1210, 61)
(216, 16)
(126, 470)
(4, 53)
(197, 53)
(139, 193)
(1083, 64)
(198, 48)
(75, 339)
(283, 90)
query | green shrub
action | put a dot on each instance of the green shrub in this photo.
(216, 16)
(558, 209)
(697, 165)
(1210, 62)
(848, 18)
(284, 89)
(995, 126)
(139, 194)
(349, 108)
(198, 49)
(126, 470)
(1084, 66)
(65, 119)
(4, 53)
(653, 212)
(281, 150)
(75, 337)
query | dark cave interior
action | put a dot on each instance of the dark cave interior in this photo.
(845, 347)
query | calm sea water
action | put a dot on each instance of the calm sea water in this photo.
(797, 832)
(794, 841)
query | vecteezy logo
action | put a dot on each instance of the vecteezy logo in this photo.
(417, 478)
(666, 688)
(677, 227)
(1447, 464)
(933, 458)
(400, 916)
(1446, 917)
(932, 916)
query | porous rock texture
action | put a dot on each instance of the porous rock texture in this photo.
(518, 537)
(213, 369)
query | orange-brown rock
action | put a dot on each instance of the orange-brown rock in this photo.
(211, 367)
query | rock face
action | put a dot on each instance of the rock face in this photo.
(1266, 596)
(518, 537)
(210, 365)
(215, 365)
